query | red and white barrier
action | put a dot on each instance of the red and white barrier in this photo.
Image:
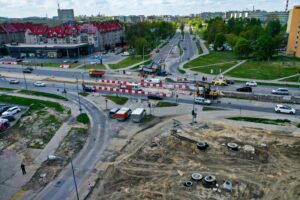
(9, 63)
(126, 91)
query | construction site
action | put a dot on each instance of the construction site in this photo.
(210, 159)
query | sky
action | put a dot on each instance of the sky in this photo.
(26, 8)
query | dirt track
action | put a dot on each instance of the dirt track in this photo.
(145, 172)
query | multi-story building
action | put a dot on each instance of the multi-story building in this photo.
(211, 15)
(293, 47)
(265, 17)
(65, 15)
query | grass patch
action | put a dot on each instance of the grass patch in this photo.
(118, 100)
(83, 118)
(180, 49)
(280, 122)
(181, 71)
(293, 79)
(49, 64)
(212, 58)
(44, 94)
(7, 89)
(96, 66)
(128, 62)
(266, 70)
(34, 104)
(215, 69)
(84, 94)
(166, 104)
(208, 108)
(137, 66)
(149, 118)
(200, 51)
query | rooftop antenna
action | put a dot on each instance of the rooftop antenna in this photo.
(58, 5)
(253, 8)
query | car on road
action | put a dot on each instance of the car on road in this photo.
(75, 61)
(66, 61)
(154, 97)
(230, 82)
(28, 70)
(219, 81)
(284, 109)
(244, 89)
(281, 91)
(201, 100)
(251, 83)
(11, 111)
(14, 81)
(4, 108)
(39, 84)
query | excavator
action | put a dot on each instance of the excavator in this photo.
(204, 89)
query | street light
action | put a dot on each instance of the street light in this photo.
(53, 157)
(79, 102)
(193, 112)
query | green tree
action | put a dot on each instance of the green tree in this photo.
(274, 27)
(243, 48)
(219, 41)
(265, 47)
(140, 45)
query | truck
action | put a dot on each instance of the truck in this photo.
(138, 115)
(96, 73)
(154, 68)
(123, 114)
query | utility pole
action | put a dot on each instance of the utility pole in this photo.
(143, 53)
(78, 95)
(25, 81)
(74, 180)
(193, 112)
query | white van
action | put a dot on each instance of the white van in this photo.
(138, 115)
(154, 81)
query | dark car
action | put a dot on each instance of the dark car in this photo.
(28, 70)
(3, 109)
(75, 61)
(154, 96)
(230, 82)
(9, 118)
(88, 88)
(244, 89)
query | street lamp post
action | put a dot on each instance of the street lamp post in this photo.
(193, 112)
(79, 102)
(25, 81)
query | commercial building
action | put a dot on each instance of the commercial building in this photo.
(36, 39)
(293, 29)
(65, 15)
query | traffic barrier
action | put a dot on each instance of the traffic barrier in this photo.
(126, 91)
(9, 63)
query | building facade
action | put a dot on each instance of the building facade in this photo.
(293, 47)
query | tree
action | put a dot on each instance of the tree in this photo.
(219, 40)
(274, 27)
(265, 47)
(243, 48)
(140, 44)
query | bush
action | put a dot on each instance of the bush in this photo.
(83, 118)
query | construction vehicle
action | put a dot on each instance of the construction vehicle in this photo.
(219, 82)
(154, 68)
(204, 89)
(96, 73)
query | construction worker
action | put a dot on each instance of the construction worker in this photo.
(23, 169)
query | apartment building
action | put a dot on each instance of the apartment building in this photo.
(293, 47)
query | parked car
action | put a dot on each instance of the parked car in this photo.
(112, 112)
(10, 118)
(244, 89)
(201, 100)
(11, 111)
(14, 81)
(138, 115)
(285, 109)
(4, 108)
(154, 97)
(28, 70)
(281, 91)
(39, 84)
(75, 61)
(251, 84)
(123, 114)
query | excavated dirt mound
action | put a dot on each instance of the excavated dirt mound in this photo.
(266, 166)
